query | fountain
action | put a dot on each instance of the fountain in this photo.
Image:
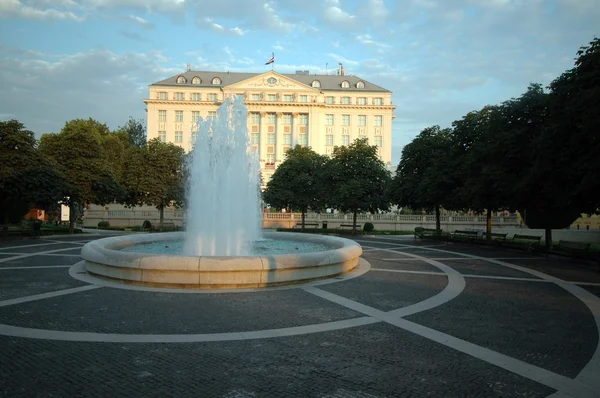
(223, 226)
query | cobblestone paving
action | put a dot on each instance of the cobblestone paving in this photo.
(536, 322)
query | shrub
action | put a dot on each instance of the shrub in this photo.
(368, 227)
(103, 224)
(147, 225)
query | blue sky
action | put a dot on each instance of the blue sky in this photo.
(66, 59)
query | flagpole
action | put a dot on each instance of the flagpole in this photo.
(273, 63)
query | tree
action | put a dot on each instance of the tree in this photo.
(26, 178)
(135, 132)
(78, 150)
(356, 180)
(421, 179)
(162, 184)
(295, 183)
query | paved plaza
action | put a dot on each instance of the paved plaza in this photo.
(415, 319)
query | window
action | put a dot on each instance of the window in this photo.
(272, 97)
(212, 97)
(345, 120)
(345, 84)
(377, 101)
(271, 80)
(255, 118)
(362, 136)
(287, 139)
(329, 100)
(162, 95)
(316, 84)
(181, 80)
(378, 121)
(216, 81)
(194, 136)
(303, 118)
(212, 115)
(179, 136)
(346, 140)
(162, 136)
(179, 96)
(328, 120)
(271, 138)
(302, 139)
(303, 98)
(162, 116)
(362, 120)
(196, 97)
(179, 116)
(346, 100)
(255, 138)
(288, 98)
(255, 97)
(287, 118)
(270, 118)
(196, 80)
(195, 116)
(378, 140)
(329, 139)
(271, 158)
(239, 96)
(360, 85)
(362, 100)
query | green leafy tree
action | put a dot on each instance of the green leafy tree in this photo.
(421, 180)
(135, 131)
(79, 152)
(26, 178)
(356, 180)
(295, 183)
(163, 183)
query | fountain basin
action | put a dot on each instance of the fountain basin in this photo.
(103, 257)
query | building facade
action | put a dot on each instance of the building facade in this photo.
(320, 111)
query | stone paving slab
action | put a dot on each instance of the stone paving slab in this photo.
(27, 282)
(482, 267)
(41, 260)
(26, 248)
(539, 323)
(409, 264)
(388, 291)
(562, 268)
(110, 310)
(371, 361)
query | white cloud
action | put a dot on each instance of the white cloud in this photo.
(16, 9)
(215, 27)
(140, 21)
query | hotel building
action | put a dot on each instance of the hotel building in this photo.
(320, 111)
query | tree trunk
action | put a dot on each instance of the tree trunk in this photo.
(354, 223)
(548, 238)
(303, 210)
(489, 224)
(71, 217)
(161, 211)
(438, 230)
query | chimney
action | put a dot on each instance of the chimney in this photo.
(188, 67)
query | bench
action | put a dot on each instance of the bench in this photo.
(494, 235)
(573, 247)
(527, 237)
(426, 232)
(465, 234)
(308, 224)
(358, 226)
(167, 226)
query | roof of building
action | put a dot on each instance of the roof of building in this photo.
(328, 82)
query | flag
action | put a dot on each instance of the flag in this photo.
(271, 60)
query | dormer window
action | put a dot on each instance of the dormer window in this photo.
(316, 84)
(181, 80)
(345, 84)
(360, 85)
(196, 80)
(216, 80)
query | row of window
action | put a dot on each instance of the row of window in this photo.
(330, 100)
(329, 140)
(286, 118)
(216, 81)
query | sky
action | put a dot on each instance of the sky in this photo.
(68, 59)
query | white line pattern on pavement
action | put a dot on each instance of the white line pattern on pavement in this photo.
(42, 296)
(36, 267)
